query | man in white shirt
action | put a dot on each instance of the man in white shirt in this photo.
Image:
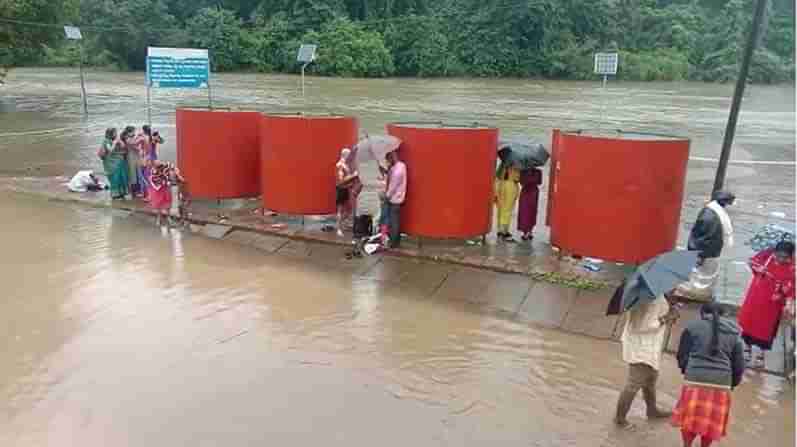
(643, 343)
(84, 181)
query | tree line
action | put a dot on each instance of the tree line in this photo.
(656, 39)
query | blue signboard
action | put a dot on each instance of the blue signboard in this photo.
(177, 68)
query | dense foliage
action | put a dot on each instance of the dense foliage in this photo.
(657, 39)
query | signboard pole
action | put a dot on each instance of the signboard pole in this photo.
(73, 33)
(603, 101)
(605, 65)
(210, 96)
(306, 56)
(83, 83)
(149, 103)
(303, 66)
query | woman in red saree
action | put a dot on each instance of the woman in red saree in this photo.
(771, 291)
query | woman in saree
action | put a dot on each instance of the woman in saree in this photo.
(128, 139)
(507, 186)
(114, 160)
(769, 298)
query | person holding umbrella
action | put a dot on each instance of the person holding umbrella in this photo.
(643, 341)
(395, 194)
(507, 181)
(380, 147)
(645, 295)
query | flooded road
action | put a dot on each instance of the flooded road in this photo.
(49, 136)
(114, 332)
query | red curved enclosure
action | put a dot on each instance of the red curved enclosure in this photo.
(616, 198)
(218, 153)
(298, 156)
(450, 174)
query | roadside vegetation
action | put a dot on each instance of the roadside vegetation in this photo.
(657, 39)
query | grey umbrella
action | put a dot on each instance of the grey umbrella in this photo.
(658, 276)
(524, 153)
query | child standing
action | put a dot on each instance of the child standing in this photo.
(160, 194)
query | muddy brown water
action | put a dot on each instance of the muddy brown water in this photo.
(114, 332)
(49, 136)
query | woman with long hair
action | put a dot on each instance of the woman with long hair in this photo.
(769, 298)
(114, 161)
(144, 147)
(710, 355)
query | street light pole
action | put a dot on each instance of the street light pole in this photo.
(741, 82)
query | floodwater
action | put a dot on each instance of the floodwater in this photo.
(114, 332)
(49, 136)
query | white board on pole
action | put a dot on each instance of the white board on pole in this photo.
(606, 63)
(306, 53)
(178, 67)
(73, 33)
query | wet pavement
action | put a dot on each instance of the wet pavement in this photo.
(533, 259)
(116, 332)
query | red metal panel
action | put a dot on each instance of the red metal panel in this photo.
(617, 199)
(298, 156)
(218, 153)
(449, 181)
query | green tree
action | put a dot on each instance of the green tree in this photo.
(346, 49)
(547, 38)
(126, 28)
(419, 46)
(218, 30)
(273, 45)
(20, 43)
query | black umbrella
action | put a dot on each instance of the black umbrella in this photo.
(523, 153)
(653, 278)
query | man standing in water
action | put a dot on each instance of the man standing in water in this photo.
(394, 196)
(643, 343)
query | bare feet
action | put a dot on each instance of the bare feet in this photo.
(624, 425)
(659, 414)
